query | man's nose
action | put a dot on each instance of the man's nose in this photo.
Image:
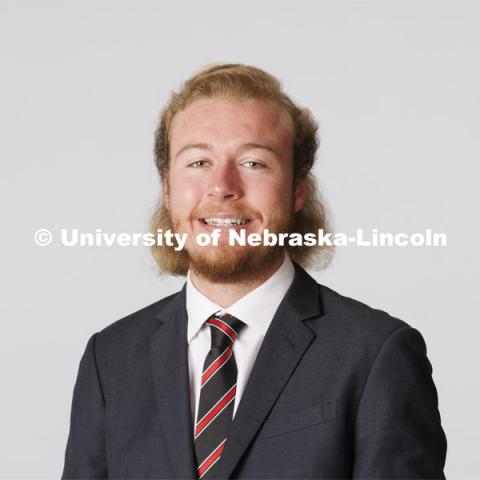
(224, 183)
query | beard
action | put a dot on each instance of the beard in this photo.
(234, 263)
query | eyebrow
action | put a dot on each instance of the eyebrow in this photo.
(253, 146)
(244, 148)
(200, 146)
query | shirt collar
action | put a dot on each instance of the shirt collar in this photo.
(256, 309)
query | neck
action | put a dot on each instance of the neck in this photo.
(227, 293)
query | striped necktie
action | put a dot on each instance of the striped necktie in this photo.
(217, 393)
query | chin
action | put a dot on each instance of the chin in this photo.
(234, 264)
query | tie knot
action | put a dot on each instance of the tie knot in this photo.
(224, 329)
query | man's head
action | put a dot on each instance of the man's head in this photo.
(232, 146)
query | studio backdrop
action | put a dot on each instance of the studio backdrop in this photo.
(394, 88)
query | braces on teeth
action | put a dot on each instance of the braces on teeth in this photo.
(225, 221)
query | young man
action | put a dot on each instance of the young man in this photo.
(252, 370)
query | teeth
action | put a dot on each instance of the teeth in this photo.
(225, 221)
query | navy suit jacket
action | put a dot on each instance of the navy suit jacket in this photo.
(338, 390)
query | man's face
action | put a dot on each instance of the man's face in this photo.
(231, 168)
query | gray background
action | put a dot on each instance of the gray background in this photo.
(394, 85)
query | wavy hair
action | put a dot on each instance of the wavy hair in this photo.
(241, 82)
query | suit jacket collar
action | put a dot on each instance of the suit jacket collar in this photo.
(256, 309)
(285, 342)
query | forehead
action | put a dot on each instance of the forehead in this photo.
(218, 120)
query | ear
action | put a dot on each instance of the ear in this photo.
(166, 191)
(300, 193)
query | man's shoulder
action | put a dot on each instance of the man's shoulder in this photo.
(341, 313)
(348, 307)
(138, 324)
(352, 318)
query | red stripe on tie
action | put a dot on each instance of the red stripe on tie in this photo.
(212, 414)
(224, 327)
(216, 365)
(210, 460)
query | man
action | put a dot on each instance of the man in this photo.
(252, 370)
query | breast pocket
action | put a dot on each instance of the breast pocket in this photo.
(279, 424)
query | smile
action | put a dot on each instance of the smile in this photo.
(214, 221)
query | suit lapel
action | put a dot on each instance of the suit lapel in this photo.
(285, 342)
(169, 356)
(283, 346)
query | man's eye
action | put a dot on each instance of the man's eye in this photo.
(198, 164)
(253, 164)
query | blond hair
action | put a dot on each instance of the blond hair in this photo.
(243, 82)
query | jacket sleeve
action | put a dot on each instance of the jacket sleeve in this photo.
(398, 432)
(85, 455)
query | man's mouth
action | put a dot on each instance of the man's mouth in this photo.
(225, 222)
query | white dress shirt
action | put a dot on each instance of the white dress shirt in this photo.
(256, 310)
